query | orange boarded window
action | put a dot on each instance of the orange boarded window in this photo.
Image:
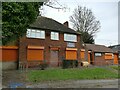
(82, 54)
(71, 54)
(115, 58)
(35, 53)
(108, 55)
(9, 53)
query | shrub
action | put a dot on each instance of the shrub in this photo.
(69, 63)
(43, 65)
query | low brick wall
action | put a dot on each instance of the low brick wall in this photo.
(8, 65)
(103, 62)
(8, 57)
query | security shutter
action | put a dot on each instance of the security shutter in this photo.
(9, 53)
(82, 53)
(71, 54)
(115, 58)
(35, 53)
(108, 55)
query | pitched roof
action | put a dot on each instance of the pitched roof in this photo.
(115, 48)
(98, 48)
(51, 25)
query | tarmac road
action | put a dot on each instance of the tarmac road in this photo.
(76, 84)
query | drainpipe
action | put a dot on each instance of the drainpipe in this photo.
(18, 54)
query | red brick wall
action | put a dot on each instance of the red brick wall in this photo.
(47, 42)
(100, 60)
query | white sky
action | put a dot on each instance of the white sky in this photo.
(106, 11)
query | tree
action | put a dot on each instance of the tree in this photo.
(87, 38)
(85, 22)
(16, 17)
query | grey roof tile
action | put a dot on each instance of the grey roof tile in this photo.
(51, 25)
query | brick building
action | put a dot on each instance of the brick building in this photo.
(116, 50)
(99, 54)
(49, 40)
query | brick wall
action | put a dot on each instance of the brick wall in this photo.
(100, 60)
(47, 43)
(8, 57)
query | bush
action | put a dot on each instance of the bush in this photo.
(69, 63)
(43, 65)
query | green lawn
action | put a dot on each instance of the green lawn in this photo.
(115, 67)
(71, 74)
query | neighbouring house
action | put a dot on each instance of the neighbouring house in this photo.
(46, 40)
(98, 54)
(116, 50)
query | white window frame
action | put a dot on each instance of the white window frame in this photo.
(33, 33)
(28, 33)
(70, 37)
(119, 56)
(54, 36)
(98, 54)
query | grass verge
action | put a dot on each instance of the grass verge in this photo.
(70, 74)
(115, 67)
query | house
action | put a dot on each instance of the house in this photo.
(46, 40)
(116, 50)
(49, 40)
(98, 54)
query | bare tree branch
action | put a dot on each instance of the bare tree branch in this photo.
(51, 3)
(83, 20)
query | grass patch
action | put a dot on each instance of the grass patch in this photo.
(115, 67)
(70, 74)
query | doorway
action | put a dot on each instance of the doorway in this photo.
(115, 58)
(54, 58)
(91, 59)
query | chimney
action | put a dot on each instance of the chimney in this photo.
(66, 24)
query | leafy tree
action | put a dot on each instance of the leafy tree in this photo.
(85, 22)
(16, 17)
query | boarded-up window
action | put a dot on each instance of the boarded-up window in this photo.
(108, 56)
(35, 53)
(82, 53)
(115, 58)
(9, 53)
(71, 54)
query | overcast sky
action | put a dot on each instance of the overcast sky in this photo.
(106, 11)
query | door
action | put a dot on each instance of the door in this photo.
(91, 59)
(88, 57)
(82, 54)
(115, 58)
(54, 58)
